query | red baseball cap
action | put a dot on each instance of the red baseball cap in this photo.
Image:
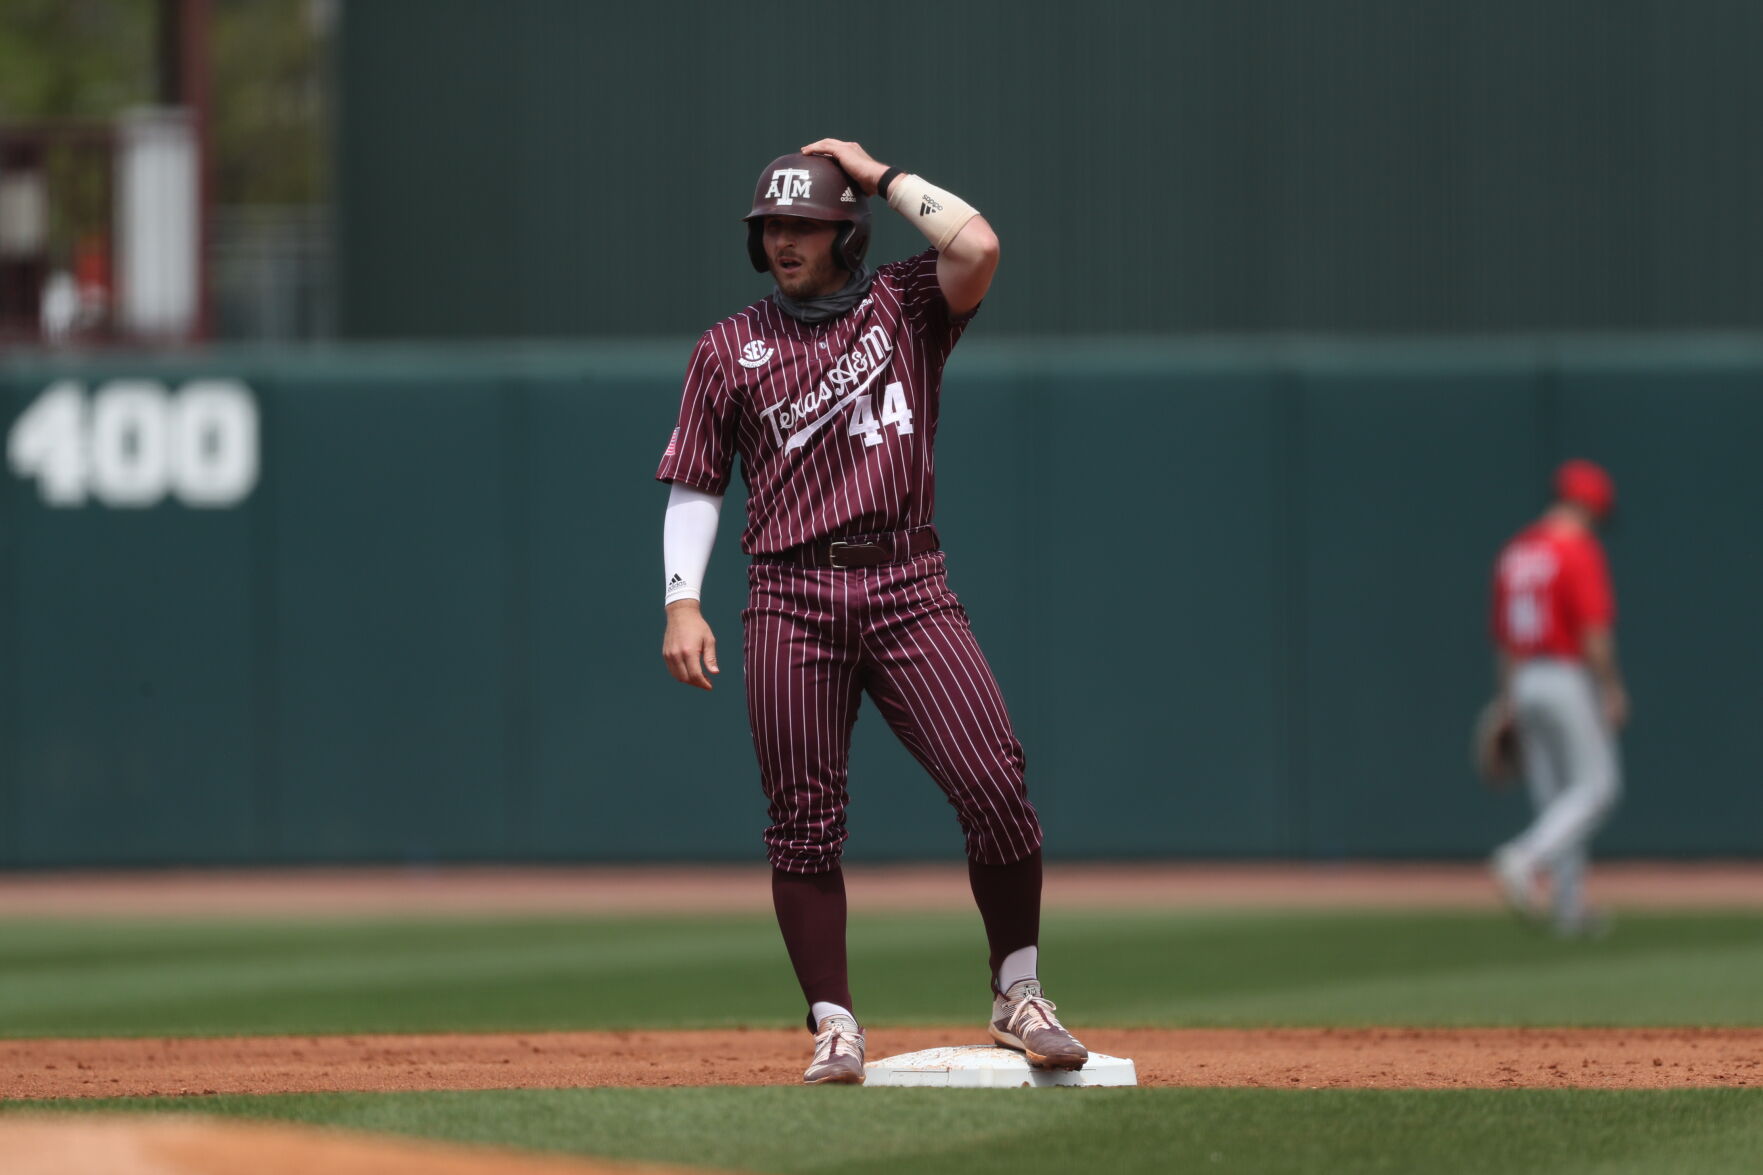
(1587, 484)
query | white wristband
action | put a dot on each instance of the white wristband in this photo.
(939, 215)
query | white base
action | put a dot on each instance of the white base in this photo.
(983, 1066)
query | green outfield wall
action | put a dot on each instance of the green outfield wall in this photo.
(561, 169)
(404, 604)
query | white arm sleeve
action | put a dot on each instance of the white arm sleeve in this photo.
(686, 539)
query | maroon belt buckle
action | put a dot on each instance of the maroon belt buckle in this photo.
(837, 552)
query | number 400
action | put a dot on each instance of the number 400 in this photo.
(134, 442)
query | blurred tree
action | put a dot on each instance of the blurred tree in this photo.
(95, 58)
(74, 58)
(269, 116)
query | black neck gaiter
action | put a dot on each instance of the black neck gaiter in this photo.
(827, 306)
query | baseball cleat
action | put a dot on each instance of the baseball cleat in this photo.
(838, 1053)
(1022, 1019)
(1517, 885)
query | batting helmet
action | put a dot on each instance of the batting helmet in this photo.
(1586, 484)
(816, 188)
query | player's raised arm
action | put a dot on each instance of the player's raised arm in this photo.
(967, 248)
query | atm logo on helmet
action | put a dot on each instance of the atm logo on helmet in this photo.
(787, 184)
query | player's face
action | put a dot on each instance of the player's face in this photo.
(801, 255)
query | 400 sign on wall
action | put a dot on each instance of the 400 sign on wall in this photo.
(133, 442)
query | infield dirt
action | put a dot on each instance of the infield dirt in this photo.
(1298, 1058)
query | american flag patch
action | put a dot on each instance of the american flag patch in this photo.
(672, 443)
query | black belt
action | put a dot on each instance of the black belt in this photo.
(869, 550)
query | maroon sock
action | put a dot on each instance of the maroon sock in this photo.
(811, 914)
(1009, 900)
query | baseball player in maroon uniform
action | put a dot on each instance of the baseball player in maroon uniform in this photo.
(828, 390)
(1553, 614)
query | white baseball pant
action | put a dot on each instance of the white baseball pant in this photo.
(1573, 770)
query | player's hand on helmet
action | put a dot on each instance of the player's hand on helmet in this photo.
(689, 647)
(853, 158)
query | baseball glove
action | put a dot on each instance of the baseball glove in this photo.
(1495, 746)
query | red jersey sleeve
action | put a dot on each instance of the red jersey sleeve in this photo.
(1588, 587)
(701, 451)
(922, 301)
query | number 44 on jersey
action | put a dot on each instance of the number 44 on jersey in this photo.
(894, 411)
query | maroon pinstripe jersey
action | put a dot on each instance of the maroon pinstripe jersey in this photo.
(833, 421)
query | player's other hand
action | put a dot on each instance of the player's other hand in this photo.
(1616, 706)
(853, 158)
(689, 648)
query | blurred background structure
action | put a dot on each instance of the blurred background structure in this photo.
(164, 171)
(341, 545)
(1372, 166)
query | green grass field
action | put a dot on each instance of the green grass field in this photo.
(1189, 969)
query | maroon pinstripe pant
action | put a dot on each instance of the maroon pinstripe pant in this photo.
(816, 639)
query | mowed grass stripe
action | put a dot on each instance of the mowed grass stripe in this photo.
(1705, 987)
(974, 1132)
(1145, 968)
(341, 958)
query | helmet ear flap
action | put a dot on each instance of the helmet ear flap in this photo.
(756, 244)
(852, 244)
